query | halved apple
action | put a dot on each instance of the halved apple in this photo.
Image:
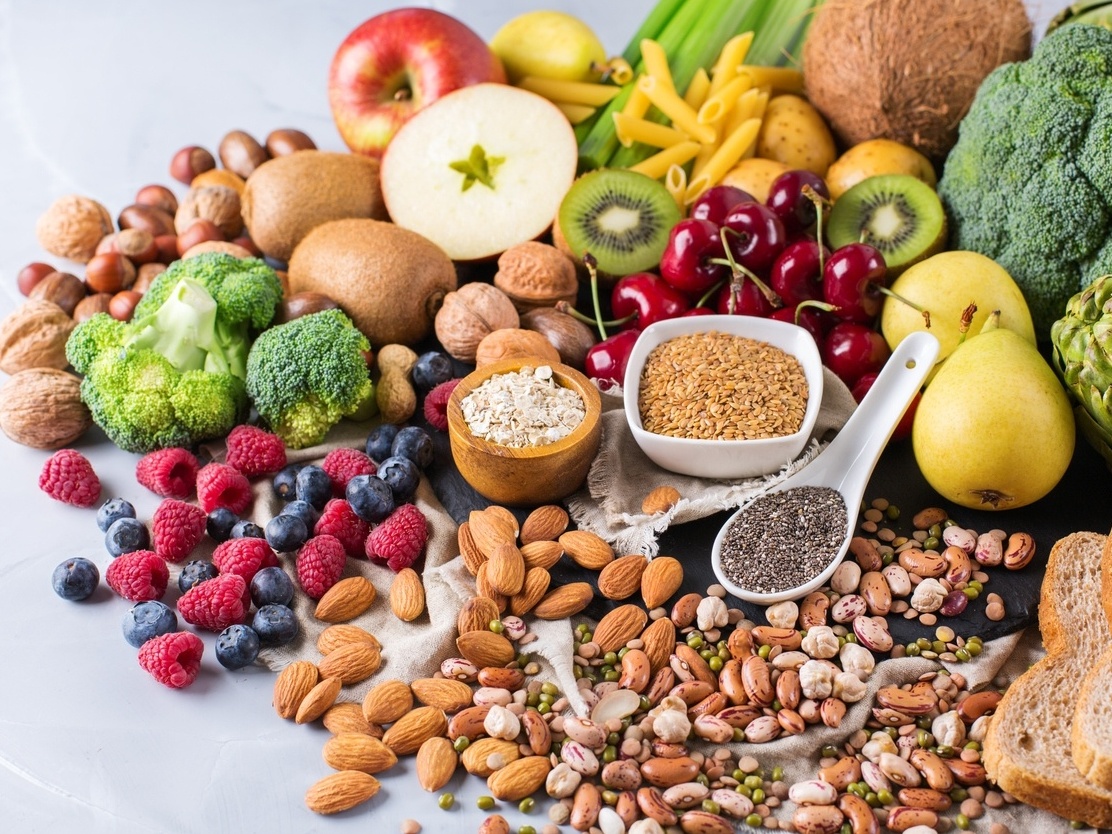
(480, 170)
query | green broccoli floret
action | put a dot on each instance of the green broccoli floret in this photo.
(305, 375)
(1029, 182)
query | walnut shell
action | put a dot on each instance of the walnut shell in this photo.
(469, 314)
(42, 408)
(571, 337)
(513, 342)
(73, 226)
(535, 274)
(217, 203)
(34, 336)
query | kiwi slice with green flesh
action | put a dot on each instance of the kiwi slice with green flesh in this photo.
(897, 213)
(622, 218)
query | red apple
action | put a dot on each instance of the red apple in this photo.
(396, 63)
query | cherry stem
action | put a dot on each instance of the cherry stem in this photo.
(821, 204)
(564, 307)
(710, 293)
(926, 314)
(738, 270)
(592, 268)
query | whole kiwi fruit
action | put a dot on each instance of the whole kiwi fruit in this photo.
(389, 280)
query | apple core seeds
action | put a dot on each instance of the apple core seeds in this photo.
(523, 408)
(784, 539)
(716, 386)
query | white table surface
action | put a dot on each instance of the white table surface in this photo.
(94, 100)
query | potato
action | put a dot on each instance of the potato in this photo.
(872, 158)
(755, 175)
(795, 133)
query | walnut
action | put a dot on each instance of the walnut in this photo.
(535, 274)
(42, 408)
(217, 203)
(571, 337)
(73, 226)
(470, 313)
(513, 342)
(34, 336)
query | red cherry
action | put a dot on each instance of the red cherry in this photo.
(699, 311)
(606, 360)
(756, 235)
(748, 300)
(649, 296)
(715, 203)
(814, 321)
(903, 428)
(791, 204)
(853, 280)
(852, 350)
(795, 275)
(685, 261)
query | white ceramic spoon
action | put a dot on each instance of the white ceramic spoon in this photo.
(847, 463)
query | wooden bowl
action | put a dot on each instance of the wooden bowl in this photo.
(531, 475)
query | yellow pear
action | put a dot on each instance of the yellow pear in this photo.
(873, 157)
(549, 44)
(994, 430)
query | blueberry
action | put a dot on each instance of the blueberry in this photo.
(271, 586)
(194, 573)
(245, 528)
(286, 532)
(75, 578)
(314, 485)
(275, 624)
(370, 497)
(145, 620)
(112, 510)
(126, 535)
(380, 440)
(432, 368)
(285, 482)
(219, 524)
(237, 646)
(413, 442)
(401, 475)
(303, 510)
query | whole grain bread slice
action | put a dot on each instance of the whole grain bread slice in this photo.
(1091, 741)
(1027, 750)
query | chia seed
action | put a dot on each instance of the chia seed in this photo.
(784, 539)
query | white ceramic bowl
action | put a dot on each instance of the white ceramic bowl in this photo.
(725, 459)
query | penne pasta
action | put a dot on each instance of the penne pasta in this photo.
(630, 130)
(656, 62)
(576, 113)
(637, 105)
(657, 165)
(778, 79)
(728, 154)
(675, 180)
(696, 92)
(619, 71)
(570, 92)
(750, 105)
(730, 60)
(719, 103)
(683, 116)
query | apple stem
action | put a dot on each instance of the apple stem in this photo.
(592, 268)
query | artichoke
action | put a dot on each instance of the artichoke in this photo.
(1082, 353)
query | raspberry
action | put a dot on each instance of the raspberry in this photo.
(243, 557)
(219, 485)
(399, 540)
(436, 404)
(344, 464)
(67, 476)
(254, 451)
(138, 576)
(319, 564)
(178, 527)
(339, 519)
(171, 473)
(216, 603)
(173, 659)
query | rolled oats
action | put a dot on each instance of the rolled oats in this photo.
(523, 408)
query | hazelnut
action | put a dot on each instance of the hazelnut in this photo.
(225, 246)
(199, 230)
(249, 245)
(137, 245)
(122, 305)
(149, 218)
(167, 249)
(535, 274)
(287, 140)
(31, 275)
(189, 162)
(470, 313)
(110, 272)
(147, 273)
(73, 226)
(302, 304)
(34, 336)
(220, 176)
(513, 342)
(90, 305)
(62, 288)
(571, 337)
(158, 196)
(241, 153)
(42, 408)
(217, 203)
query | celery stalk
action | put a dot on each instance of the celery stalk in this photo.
(778, 33)
(651, 27)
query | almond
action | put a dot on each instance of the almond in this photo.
(660, 500)
(486, 589)
(340, 792)
(346, 717)
(352, 663)
(519, 778)
(622, 577)
(662, 578)
(619, 626)
(407, 595)
(541, 554)
(476, 614)
(358, 751)
(587, 549)
(345, 600)
(291, 686)
(533, 588)
(436, 763)
(659, 639)
(317, 701)
(490, 529)
(442, 693)
(507, 517)
(340, 635)
(413, 729)
(564, 601)
(468, 550)
(386, 702)
(485, 648)
(545, 523)
(505, 569)
(476, 759)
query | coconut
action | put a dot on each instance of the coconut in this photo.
(907, 69)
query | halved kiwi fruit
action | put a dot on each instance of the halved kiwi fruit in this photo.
(621, 217)
(897, 213)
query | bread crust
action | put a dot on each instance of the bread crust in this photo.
(1087, 740)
